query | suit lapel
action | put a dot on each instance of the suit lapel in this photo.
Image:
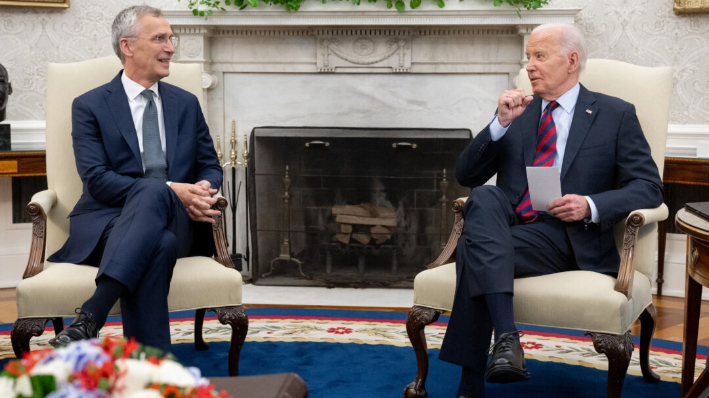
(580, 125)
(529, 137)
(169, 114)
(118, 106)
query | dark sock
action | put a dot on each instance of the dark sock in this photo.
(501, 312)
(108, 291)
(472, 383)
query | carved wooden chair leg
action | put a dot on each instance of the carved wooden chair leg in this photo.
(416, 321)
(618, 349)
(58, 324)
(239, 322)
(199, 343)
(647, 329)
(23, 330)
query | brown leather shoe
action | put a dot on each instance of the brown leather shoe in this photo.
(84, 327)
(506, 364)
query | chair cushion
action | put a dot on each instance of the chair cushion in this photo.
(197, 282)
(582, 300)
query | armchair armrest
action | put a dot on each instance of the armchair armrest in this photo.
(448, 253)
(38, 208)
(633, 222)
(221, 249)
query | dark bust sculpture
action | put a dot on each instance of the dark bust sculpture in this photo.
(5, 91)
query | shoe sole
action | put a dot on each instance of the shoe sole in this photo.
(506, 374)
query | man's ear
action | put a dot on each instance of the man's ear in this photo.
(574, 62)
(125, 47)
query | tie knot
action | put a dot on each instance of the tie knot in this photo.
(550, 106)
(148, 95)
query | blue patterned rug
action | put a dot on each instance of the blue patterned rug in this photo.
(350, 353)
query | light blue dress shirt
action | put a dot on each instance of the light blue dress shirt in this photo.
(562, 115)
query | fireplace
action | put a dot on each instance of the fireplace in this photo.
(351, 66)
(350, 207)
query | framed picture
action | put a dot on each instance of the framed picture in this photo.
(691, 6)
(36, 3)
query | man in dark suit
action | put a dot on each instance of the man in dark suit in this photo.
(149, 170)
(606, 171)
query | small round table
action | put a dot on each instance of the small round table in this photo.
(697, 230)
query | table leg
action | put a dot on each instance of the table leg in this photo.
(692, 305)
(661, 242)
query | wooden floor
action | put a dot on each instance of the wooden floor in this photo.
(669, 322)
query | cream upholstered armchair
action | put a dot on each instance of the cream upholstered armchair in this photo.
(53, 291)
(600, 305)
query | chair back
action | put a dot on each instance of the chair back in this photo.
(64, 83)
(650, 90)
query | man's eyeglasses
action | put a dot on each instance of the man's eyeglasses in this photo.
(159, 39)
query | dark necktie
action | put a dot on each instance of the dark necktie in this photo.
(155, 166)
(543, 157)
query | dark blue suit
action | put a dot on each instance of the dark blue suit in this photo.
(134, 228)
(607, 158)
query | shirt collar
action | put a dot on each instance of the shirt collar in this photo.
(134, 89)
(567, 101)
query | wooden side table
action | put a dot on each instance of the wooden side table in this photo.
(22, 163)
(687, 171)
(697, 275)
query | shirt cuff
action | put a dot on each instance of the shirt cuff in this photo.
(496, 129)
(595, 218)
(169, 183)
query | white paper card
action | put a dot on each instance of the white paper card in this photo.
(544, 186)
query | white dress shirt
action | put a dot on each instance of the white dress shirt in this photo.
(137, 105)
(562, 115)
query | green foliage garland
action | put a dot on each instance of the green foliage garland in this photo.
(205, 8)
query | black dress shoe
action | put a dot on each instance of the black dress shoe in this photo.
(84, 327)
(506, 364)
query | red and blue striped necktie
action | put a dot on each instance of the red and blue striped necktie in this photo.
(543, 157)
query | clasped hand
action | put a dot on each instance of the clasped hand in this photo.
(197, 199)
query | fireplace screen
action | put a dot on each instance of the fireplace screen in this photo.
(350, 207)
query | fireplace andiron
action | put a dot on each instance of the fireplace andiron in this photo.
(285, 243)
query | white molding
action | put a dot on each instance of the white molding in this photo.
(27, 135)
(455, 13)
(682, 139)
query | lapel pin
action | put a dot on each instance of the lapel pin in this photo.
(589, 111)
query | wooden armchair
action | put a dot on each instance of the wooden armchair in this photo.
(602, 306)
(52, 291)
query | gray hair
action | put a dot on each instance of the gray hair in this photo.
(127, 24)
(571, 40)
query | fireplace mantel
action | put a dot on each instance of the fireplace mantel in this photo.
(340, 37)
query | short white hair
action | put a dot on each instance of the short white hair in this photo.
(571, 40)
(127, 24)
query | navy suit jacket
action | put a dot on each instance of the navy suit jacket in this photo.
(108, 157)
(607, 158)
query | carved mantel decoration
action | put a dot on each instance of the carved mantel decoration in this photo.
(342, 41)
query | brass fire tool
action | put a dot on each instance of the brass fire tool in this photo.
(233, 192)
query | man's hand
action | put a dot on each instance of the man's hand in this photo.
(510, 105)
(197, 199)
(570, 208)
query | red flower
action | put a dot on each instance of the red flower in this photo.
(340, 330)
(528, 345)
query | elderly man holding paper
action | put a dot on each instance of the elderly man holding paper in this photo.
(603, 164)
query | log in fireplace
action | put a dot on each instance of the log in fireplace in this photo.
(350, 206)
